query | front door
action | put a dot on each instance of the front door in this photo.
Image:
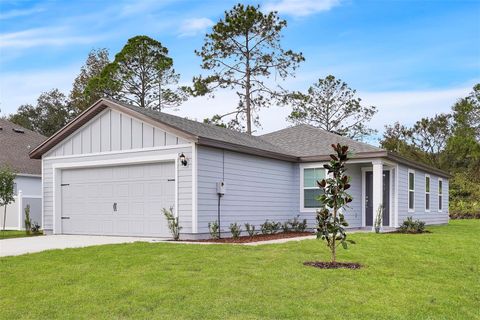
(369, 210)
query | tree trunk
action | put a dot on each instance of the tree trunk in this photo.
(4, 217)
(334, 247)
(247, 87)
(247, 104)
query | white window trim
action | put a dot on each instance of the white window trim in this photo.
(302, 195)
(408, 190)
(429, 193)
(440, 202)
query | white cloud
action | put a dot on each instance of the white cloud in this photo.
(19, 13)
(300, 8)
(192, 27)
(56, 36)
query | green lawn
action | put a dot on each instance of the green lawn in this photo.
(429, 276)
(7, 234)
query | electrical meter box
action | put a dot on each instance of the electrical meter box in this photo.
(221, 188)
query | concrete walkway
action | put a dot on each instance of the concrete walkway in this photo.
(19, 246)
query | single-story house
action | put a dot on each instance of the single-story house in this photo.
(15, 144)
(112, 169)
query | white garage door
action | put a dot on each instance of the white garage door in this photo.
(120, 200)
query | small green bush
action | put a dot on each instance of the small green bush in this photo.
(173, 223)
(250, 229)
(297, 225)
(28, 222)
(35, 228)
(411, 226)
(235, 230)
(286, 227)
(270, 227)
(214, 229)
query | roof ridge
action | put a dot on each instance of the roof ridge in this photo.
(206, 125)
(325, 132)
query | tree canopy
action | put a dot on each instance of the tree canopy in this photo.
(96, 61)
(141, 74)
(242, 52)
(331, 105)
(52, 111)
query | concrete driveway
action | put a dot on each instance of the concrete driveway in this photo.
(19, 246)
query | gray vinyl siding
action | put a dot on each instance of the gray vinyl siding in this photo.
(257, 188)
(432, 217)
(114, 131)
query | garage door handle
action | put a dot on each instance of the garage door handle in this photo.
(65, 218)
(114, 206)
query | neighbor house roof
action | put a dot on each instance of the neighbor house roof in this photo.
(15, 144)
(301, 143)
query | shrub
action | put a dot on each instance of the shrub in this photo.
(235, 230)
(214, 229)
(250, 229)
(35, 227)
(276, 226)
(286, 227)
(270, 227)
(173, 223)
(410, 226)
(464, 215)
(265, 227)
(28, 222)
(298, 226)
(378, 219)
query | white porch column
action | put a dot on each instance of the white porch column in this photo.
(377, 188)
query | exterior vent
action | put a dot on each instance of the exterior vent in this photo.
(18, 130)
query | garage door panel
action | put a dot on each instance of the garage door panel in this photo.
(139, 191)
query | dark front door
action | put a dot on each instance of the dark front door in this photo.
(369, 210)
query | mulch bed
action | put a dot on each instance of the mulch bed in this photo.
(257, 238)
(333, 265)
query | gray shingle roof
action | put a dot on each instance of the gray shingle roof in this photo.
(305, 140)
(208, 131)
(15, 146)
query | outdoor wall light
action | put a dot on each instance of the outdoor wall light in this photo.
(183, 160)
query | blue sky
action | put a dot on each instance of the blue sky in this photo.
(409, 58)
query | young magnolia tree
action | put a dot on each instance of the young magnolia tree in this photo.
(331, 221)
(7, 178)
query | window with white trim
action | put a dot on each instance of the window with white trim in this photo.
(440, 194)
(311, 191)
(427, 192)
(411, 190)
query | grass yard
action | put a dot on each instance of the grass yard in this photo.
(7, 234)
(428, 276)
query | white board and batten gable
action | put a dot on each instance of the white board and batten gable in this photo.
(114, 139)
(112, 131)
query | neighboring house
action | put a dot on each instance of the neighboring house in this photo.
(15, 144)
(112, 169)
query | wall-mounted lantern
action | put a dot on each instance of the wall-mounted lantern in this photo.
(183, 160)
